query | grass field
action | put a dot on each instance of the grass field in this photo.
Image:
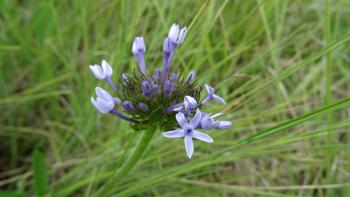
(283, 68)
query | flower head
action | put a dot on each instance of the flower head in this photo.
(165, 99)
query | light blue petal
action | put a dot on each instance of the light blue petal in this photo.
(219, 99)
(202, 137)
(107, 69)
(104, 106)
(174, 32)
(189, 146)
(174, 134)
(182, 35)
(196, 119)
(216, 115)
(181, 119)
(94, 103)
(207, 99)
(224, 124)
(103, 94)
(192, 103)
(209, 89)
(97, 71)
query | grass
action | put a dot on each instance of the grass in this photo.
(282, 66)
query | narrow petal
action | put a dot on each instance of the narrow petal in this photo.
(182, 35)
(196, 119)
(107, 69)
(207, 99)
(97, 71)
(216, 115)
(166, 45)
(202, 137)
(189, 146)
(134, 47)
(192, 103)
(174, 32)
(142, 45)
(181, 119)
(94, 103)
(219, 99)
(174, 134)
(209, 89)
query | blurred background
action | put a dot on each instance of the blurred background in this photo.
(282, 66)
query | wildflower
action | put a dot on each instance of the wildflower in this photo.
(212, 95)
(208, 122)
(138, 49)
(170, 43)
(188, 132)
(103, 72)
(104, 102)
(176, 35)
(163, 99)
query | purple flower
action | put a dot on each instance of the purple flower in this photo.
(128, 107)
(175, 38)
(212, 95)
(176, 35)
(147, 100)
(146, 88)
(208, 122)
(168, 87)
(168, 51)
(104, 102)
(189, 103)
(138, 49)
(188, 132)
(158, 75)
(103, 72)
(155, 89)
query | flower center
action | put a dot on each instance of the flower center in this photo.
(189, 130)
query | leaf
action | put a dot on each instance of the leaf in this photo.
(40, 173)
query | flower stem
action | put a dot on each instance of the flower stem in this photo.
(120, 173)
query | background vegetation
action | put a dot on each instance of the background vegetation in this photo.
(282, 66)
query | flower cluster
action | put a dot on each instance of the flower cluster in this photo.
(164, 99)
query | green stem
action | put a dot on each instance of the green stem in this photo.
(130, 162)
